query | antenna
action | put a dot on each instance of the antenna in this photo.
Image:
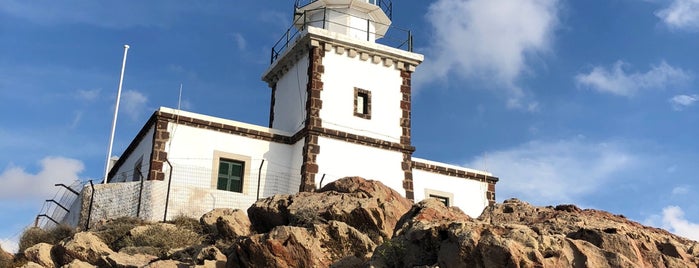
(116, 112)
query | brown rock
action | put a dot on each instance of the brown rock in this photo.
(270, 212)
(212, 264)
(167, 264)
(83, 246)
(210, 253)
(516, 234)
(31, 265)
(78, 264)
(123, 260)
(290, 246)
(368, 206)
(226, 223)
(40, 254)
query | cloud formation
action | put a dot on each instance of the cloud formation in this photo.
(487, 39)
(554, 172)
(681, 14)
(19, 185)
(680, 102)
(9, 245)
(675, 222)
(133, 104)
(617, 81)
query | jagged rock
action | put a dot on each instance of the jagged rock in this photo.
(288, 246)
(210, 253)
(40, 254)
(369, 206)
(123, 260)
(226, 223)
(517, 234)
(32, 265)
(78, 264)
(84, 246)
(212, 264)
(270, 212)
(167, 264)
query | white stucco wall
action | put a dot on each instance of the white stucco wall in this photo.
(469, 195)
(342, 75)
(290, 98)
(143, 149)
(191, 152)
(338, 159)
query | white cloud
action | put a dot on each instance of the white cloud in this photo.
(553, 172)
(680, 102)
(617, 81)
(681, 190)
(133, 104)
(681, 14)
(675, 222)
(487, 39)
(18, 184)
(239, 40)
(87, 95)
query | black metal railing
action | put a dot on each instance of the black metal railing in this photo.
(394, 37)
(385, 5)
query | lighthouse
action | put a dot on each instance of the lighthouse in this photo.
(346, 93)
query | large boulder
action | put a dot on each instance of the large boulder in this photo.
(289, 246)
(84, 246)
(226, 223)
(517, 234)
(40, 254)
(125, 260)
(366, 205)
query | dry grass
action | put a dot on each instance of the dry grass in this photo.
(34, 235)
(188, 223)
(115, 232)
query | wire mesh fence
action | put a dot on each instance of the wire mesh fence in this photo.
(189, 189)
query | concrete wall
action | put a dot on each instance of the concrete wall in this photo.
(290, 98)
(142, 151)
(468, 195)
(342, 75)
(342, 159)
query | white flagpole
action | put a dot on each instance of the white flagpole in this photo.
(116, 112)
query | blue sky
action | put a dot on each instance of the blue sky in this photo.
(587, 102)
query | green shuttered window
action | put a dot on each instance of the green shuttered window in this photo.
(230, 175)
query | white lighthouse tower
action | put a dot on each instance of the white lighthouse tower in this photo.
(344, 87)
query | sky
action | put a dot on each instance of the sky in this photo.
(590, 102)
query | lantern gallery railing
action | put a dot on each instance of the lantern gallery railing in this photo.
(394, 37)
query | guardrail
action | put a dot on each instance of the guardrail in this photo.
(394, 37)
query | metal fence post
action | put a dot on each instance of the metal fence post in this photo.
(167, 196)
(89, 211)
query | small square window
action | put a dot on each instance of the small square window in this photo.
(443, 199)
(230, 175)
(362, 103)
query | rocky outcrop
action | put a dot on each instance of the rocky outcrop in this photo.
(517, 234)
(226, 223)
(368, 206)
(290, 246)
(358, 223)
(84, 246)
(126, 260)
(40, 254)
